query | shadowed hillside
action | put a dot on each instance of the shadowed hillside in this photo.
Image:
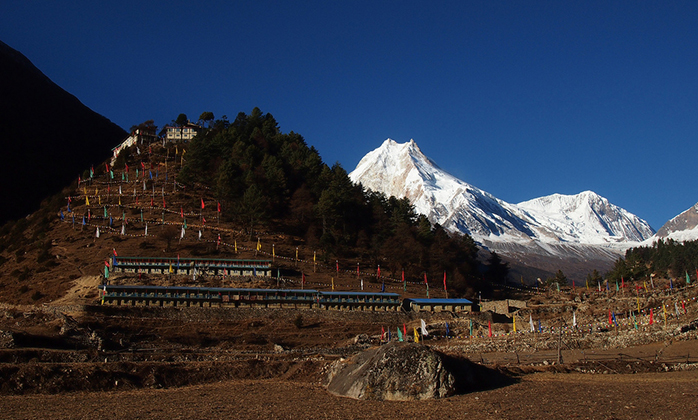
(48, 135)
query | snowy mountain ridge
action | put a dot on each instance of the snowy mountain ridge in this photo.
(543, 223)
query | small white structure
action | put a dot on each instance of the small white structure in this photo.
(184, 133)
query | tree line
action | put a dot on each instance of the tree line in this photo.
(664, 258)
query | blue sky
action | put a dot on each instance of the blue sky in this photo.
(521, 99)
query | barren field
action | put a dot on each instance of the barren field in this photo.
(93, 361)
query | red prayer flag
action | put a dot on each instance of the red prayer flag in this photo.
(151, 202)
(202, 204)
(425, 278)
(403, 276)
(219, 207)
(379, 271)
(303, 278)
(404, 330)
(181, 212)
(163, 203)
(610, 318)
(114, 249)
(651, 316)
(444, 281)
(382, 333)
(489, 328)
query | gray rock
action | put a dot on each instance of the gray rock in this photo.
(395, 371)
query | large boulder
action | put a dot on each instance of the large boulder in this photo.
(398, 371)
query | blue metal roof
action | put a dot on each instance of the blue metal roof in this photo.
(384, 294)
(209, 289)
(422, 301)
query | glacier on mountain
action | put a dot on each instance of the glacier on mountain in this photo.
(544, 223)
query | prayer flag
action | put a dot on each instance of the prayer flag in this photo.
(219, 207)
(202, 204)
(424, 327)
(489, 328)
(513, 318)
(445, 282)
(651, 316)
(382, 333)
(399, 335)
(97, 233)
(530, 321)
(416, 336)
(688, 279)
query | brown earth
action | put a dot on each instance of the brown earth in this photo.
(135, 362)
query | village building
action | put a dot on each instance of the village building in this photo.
(183, 133)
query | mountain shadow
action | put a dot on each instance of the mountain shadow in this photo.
(48, 136)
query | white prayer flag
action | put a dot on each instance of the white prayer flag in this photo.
(424, 328)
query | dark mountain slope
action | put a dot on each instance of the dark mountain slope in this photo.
(48, 136)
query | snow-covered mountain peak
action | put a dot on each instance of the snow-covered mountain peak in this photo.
(402, 170)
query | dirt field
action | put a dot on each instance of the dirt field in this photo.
(536, 396)
(106, 362)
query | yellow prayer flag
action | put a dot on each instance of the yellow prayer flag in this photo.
(84, 190)
(514, 318)
(313, 256)
(273, 253)
(171, 268)
(87, 200)
(333, 283)
(416, 335)
(236, 246)
(119, 200)
(99, 199)
(259, 245)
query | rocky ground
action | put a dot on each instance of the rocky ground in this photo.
(85, 360)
